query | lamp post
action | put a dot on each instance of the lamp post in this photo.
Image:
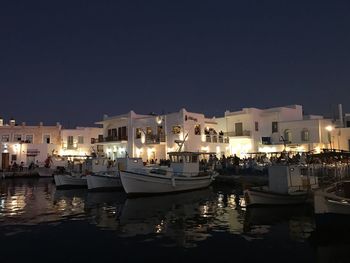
(329, 128)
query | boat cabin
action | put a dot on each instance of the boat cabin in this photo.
(288, 178)
(128, 163)
(185, 162)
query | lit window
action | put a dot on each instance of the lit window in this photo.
(176, 129)
(5, 138)
(197, 129)
(29, 138)
(17, 137)
(46, 139)
(138, 133)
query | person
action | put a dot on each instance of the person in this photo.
(31, 166)
(21, 166)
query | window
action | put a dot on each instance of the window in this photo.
(5, 138)
(197, 129)
(124, 133)
(288, 136)
(176, 129)
(70, 142)
(149, 130)
(17, 137)
(46, 138)
(29, 138)
(239, 129)
(256, 126)
(81, 139)
(266, 140)
(274, 126)
(100, 137)
(305, 135)
(347, 123)
(138, 133)
(160, 130)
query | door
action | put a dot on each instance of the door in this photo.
(5, 161)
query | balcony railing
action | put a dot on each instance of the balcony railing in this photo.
(216, 139)
(236, 134)
(154, 139)
(114, 139)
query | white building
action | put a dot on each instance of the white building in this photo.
(268, 130)
(80, 142)
(153, 136)
(23, 143)
(250, 128)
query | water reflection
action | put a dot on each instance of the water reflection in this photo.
(181, 220)
(297, 221)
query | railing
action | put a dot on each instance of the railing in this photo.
(216, 139)
(114, 139)
(154, 139)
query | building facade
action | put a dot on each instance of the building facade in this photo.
(22, 143)
(151, 137)
(80, 142)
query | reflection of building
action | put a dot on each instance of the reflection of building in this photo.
(152, 136)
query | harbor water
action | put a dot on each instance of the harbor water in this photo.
(41, 224)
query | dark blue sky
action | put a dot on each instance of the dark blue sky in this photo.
(73, 61)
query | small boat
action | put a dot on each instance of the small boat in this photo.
(182, 175)
(332, 205)
(263, 196)
(104, 181)
(288, 185)
(70, 181)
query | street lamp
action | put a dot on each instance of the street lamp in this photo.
(329, 128)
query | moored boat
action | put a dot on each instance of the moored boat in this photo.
(104, 181)
(332, 205)
(70, 181)
(182, 175)
(288, 185)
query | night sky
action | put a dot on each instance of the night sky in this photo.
(73, 61)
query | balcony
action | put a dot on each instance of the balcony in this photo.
(114, 139)
(154, 139)
(216, 139)
(245, 133)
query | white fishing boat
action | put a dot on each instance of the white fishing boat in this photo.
(70, 181)
(288, 185)
(334, 199)
(104, 181)
(182, 175)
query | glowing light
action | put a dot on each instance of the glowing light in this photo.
(267, 149)
(329, 128)
(317, 149)
(205, 149)
(138, 152)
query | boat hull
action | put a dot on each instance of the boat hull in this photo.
(45, 172)
(262, 197)
(103, 182)
(68, 181)
(141, 184)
